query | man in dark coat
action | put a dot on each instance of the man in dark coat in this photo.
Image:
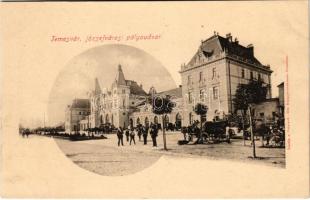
(120, 136)
(154, 133)
(139, 132)
(144, 132)
(127, 135)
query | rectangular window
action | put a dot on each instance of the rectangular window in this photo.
(189, 79)
(213, 73)
(242, 73)
(200, 76)
(202, 95)
(259, 76)
(190, 97)
(215, 93)
(251, 75)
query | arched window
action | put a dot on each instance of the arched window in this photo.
(178, 121)
(166, 118)
(107, 120)
(101, 119)
(156, 120)
(138, 121)
(146, 121)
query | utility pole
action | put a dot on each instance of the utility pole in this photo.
(251, 129)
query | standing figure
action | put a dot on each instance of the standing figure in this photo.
(120, 136)
(127, 135)
(139, 132)
(154, 133)
(132, 136)
(144, 132)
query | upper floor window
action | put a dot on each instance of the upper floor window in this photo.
(242, 73)
(213, 73)
(200, 76)
(190, 97)
(259, 77)
(202, 95)
(215, 93)
(189, 79)
(251, 75)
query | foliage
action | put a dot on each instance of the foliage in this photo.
(200, 109)
(162, 105)
(246, 94)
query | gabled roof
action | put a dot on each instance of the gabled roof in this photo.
(135, 88)
(234, 48)
(174, 93)
(80, 103)
(217, 44)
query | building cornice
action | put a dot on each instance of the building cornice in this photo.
(228, 57)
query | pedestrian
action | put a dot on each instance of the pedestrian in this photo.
(127, 135)
(132, 136)
(139, 132)
(145, 132)
(154, 133)
(120, 136)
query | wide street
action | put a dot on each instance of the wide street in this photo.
(105, 157)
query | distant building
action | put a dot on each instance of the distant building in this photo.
(144, 115)
(77, 111)
(213, 74)
(267, 110)
(115, 104)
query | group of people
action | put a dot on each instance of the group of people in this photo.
(140, 131)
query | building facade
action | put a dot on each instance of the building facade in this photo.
(213, 74)
(76, 112)
(115, 104)
(144, 115)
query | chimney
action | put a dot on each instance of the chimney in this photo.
(229, 37)
(236, 41)
(141, 86)
(250, 47)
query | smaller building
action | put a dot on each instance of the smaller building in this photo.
(143, 113)
(77, 111)
(267, 110)
(85, 125)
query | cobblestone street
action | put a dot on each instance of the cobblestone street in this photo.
(106, 158)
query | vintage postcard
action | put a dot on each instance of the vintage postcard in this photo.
(154, 99)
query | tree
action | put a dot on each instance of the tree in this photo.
(162, 106)
(201, 110)
(246, 95)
